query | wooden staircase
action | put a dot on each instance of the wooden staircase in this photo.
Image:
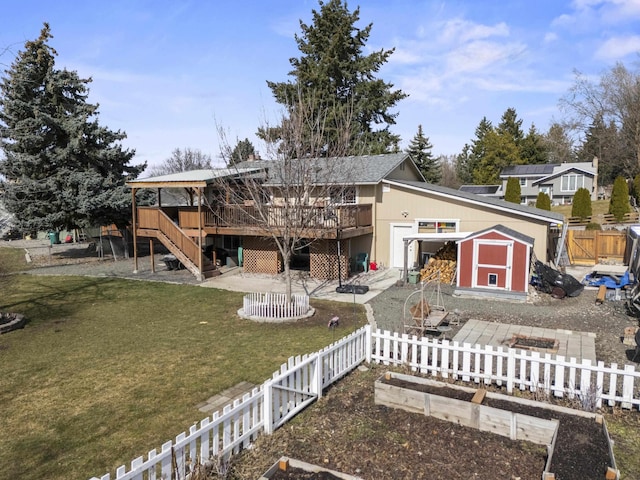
(184, 248)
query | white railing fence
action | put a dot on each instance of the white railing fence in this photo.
(546, 375)
(302, 379)
(275, 305)
(297, 384)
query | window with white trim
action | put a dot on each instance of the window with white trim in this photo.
(571, 182)
(344, 196)
(523, 182)
(493, 280)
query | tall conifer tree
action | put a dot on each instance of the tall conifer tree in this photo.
(61, 168)
(337, 80)
(420, 151)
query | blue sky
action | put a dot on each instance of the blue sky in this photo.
(168, 73)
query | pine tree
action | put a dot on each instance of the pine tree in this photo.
(581, 205)
(337, 80)
(513, 192)
(619, 202)
(511, 126)
(532, 148)
(242, 151)
(420, 151)
(61, 168)
(543, 201)
(499, 152)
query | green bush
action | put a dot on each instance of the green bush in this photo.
(581, 206)
(619, 202)
(513, 193)
(593, 226)
(543, 201)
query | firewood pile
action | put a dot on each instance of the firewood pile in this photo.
(443, 263)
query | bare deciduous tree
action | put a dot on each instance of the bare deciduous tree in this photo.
(183, 161)
(294, 195)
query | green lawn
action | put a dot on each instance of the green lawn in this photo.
(598, 207)
(12, 260)
(108, 369)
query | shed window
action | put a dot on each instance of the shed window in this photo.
(493, 280)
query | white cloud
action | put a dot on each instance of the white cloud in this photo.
(459, 31)
(618, 47)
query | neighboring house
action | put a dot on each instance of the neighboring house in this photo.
(559, 181)
(383, 200)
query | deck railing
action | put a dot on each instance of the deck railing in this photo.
(322, 217)
(302, 379)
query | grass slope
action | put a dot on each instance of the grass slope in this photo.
(108, 369)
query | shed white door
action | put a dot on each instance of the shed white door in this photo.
(398, 232)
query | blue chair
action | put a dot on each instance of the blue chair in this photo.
(361, 260)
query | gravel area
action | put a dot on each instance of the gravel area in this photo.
(580, 314)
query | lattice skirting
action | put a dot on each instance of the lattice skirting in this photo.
(324, 259)
(261, 255)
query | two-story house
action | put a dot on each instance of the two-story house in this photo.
(365, 204)
(559, 181)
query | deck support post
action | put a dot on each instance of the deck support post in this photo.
(134, 220)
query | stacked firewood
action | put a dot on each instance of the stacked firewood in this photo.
(442, 265)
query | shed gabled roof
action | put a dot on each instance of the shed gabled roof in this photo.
(473, 199)
(509, 232)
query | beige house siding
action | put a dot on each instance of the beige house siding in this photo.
(422, 205)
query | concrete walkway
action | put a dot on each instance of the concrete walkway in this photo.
(236, 280)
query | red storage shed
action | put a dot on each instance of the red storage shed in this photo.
(494, 262)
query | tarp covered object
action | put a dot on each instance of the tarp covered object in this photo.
(548, 279)
(595, 280)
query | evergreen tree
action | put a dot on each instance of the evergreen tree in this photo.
(532, 148)
(499, 152)
(513, 192)
(61, 168)
(464, 165)
(241, 152)
(543, 201)
(420, 151)
(603, 141)
(468, 162)
(581, 205)
(337, 80)
(511, 126)
(619, 202)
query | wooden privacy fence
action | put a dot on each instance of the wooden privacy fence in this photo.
(301, 381)
(589, 247)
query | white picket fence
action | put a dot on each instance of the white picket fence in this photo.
(298, 383)
(275, 305)
(513, 368)
(302, 379)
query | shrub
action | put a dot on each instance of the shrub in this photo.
(543, 201)
(619, 202)
(581, 204)
(513, 193)
(593, 226)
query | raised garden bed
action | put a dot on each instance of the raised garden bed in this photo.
(292, 469)
(578, 443)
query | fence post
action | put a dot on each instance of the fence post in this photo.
(267, 407)
(367, 342)
(511, 369)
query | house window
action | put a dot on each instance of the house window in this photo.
(523, 182)
(437, 226)
(492, 281)
(572, 182)
(386, 187)
(346, 195)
